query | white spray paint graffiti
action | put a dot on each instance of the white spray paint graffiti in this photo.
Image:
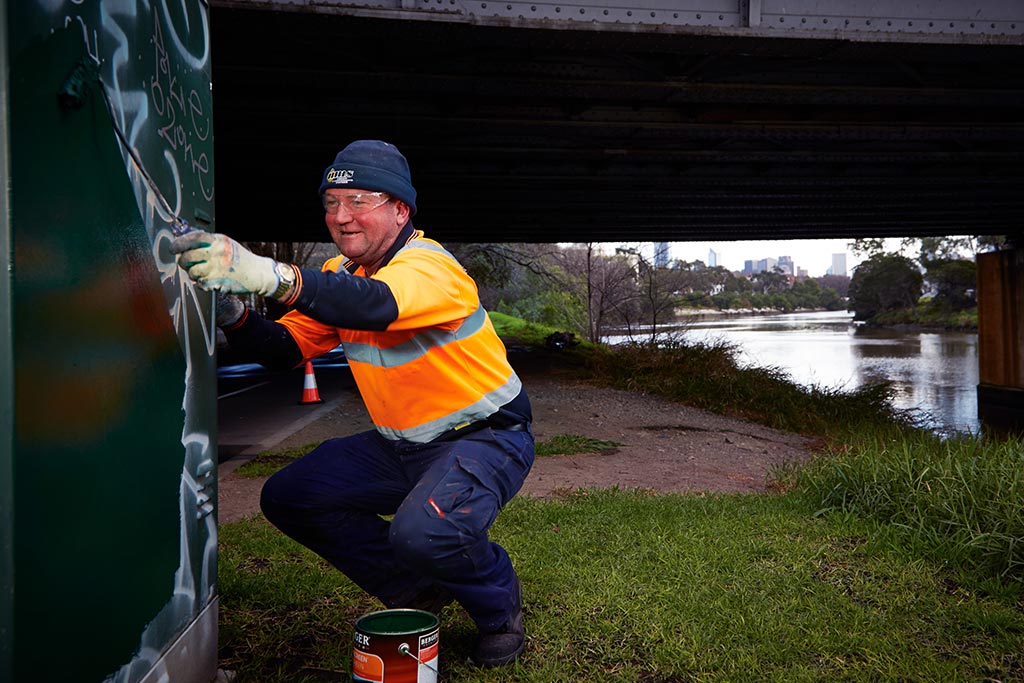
(169, 101)
(174, 112)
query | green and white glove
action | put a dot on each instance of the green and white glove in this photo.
(220, 263)
(230, 309)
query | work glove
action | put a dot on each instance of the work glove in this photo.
(218, 262)
(230, 309)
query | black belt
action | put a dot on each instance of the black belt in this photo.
(496, 421)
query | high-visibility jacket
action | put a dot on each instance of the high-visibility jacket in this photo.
(422, 349)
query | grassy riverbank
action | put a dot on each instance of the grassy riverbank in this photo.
(707, 376)
(632, 587)
(929, 315)
(956, 498)
(893, 556)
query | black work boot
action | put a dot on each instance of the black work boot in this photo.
(432, 599)
(501, 647)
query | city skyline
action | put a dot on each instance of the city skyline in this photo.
(813, 256)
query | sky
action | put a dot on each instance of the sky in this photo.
(814, 256)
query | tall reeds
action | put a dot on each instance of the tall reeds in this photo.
(960, 499)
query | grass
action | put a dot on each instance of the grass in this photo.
(522, 333)
(959, 500)
(517, 330)
(895, 555)
(571, 444)
(268, 462)
(626, 586)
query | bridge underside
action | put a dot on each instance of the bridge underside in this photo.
(534, 135)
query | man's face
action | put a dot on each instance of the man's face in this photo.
(364, 236)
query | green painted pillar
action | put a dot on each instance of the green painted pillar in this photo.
(108, 515)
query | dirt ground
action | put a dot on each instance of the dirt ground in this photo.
(666, 447)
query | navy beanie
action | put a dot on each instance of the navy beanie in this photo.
(372, 165)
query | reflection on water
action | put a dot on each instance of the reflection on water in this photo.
(933, 373)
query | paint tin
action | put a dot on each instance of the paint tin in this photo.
(396, 646)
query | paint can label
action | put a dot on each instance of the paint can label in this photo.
(428, 657)
(396, 646)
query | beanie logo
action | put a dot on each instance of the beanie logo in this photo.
(339, 176)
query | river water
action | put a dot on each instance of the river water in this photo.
(934, 373)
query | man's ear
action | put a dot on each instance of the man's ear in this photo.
(402, 212)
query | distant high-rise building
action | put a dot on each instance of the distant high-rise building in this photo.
(786, 265)
(749, 267)
(766, 265)
(661, 254)
(838, 264)
(713, 257)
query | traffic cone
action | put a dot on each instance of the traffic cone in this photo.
(309, 391)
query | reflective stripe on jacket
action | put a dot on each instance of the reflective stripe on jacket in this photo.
(438, 364)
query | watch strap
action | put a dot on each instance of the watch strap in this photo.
(287, 278)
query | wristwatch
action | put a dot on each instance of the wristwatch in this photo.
(286, 279)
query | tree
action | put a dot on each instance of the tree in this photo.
(806, 294)
(770, 281)
(885, 282)
(947, 263)
(830, 300)
(726, 300)
(740, 285)
(838, 283)
(524, 280)
(954, 282)
(657, 291)
(606, 284)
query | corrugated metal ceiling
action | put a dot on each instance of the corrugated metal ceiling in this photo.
(557, 136)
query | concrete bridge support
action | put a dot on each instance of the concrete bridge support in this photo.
(1001, 338)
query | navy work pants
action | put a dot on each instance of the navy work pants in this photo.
(444, 497)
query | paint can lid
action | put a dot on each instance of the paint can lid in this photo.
(396, 622)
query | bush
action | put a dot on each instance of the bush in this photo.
(884, 283)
